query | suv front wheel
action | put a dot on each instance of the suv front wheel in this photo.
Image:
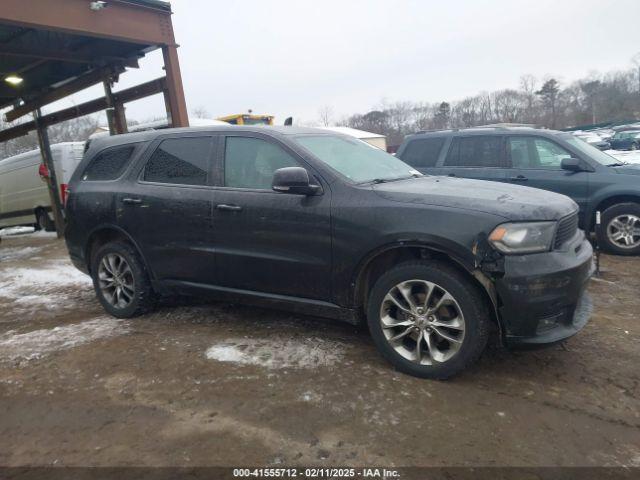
(427, 319)
(121, 281)
(620, 229)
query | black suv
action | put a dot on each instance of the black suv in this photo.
(324, 224)
(547, 159)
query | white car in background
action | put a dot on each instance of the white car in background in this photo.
(24, 195)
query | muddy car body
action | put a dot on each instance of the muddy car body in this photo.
(320, 223)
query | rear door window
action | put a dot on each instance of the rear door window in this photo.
(477, 151)
(109, 164)
(181, 161)
(423, 152)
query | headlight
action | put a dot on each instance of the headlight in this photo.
(529, 237)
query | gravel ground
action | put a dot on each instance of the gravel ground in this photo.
(218, 384)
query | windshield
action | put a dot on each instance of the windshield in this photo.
(354, 159)
(591, 151)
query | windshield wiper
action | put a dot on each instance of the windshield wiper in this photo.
(617, 164)
(387, 180)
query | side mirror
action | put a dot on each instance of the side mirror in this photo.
(572, 165)
(293, 180)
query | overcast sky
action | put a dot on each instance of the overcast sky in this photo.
(292, 57)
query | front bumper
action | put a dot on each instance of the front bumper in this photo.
(543, 296)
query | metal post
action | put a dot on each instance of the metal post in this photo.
(598, 227)
(52, 180)
(115, 111)
(174, 95)
(108, 96)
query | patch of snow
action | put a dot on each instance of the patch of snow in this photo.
(17, 282)
(278, 353)
(311, 397)
(39, 343)
(15, 253)
(43, 290)
(6, 232)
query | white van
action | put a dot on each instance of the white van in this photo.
(24, 197)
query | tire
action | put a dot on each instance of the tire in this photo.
(441, 359)
(624, 218)
(136, 295)
(43, 221)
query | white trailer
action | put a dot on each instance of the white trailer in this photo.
(24, 196)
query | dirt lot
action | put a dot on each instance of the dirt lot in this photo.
(229, 385)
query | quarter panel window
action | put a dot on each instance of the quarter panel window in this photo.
(108, 165)
(250, 162)
(477, 151)
(183, 161)
(423, 152)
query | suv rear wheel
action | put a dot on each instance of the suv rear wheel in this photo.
(121, 281)
(427, 319)
(620, 229)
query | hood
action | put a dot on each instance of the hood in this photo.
(513, 202)
(629, 169)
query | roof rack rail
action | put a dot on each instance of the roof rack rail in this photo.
(484, 127)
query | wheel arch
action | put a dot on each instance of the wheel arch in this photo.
(380, 259)
(609, 201)
(110, 233)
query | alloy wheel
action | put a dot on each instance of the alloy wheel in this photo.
(624, 231)
(422, 322)
(115, 280)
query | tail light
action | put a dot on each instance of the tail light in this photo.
(64, 193)
(43, 171)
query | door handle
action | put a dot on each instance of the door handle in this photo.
(519, 178)
(131, 201)
(452, 175)
(230, 208)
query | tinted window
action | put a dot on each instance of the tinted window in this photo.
(519, 149)
(423, 152)
(109, 164)
(549, 154)
(477, 151)
(183, 161)
(250, 162)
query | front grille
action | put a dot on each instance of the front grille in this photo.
(567, 228)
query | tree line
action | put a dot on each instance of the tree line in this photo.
(610, 97)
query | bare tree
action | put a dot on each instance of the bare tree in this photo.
(596, 98)
(200, 112)
(325, 115)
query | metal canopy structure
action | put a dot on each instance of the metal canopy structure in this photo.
(52, 49)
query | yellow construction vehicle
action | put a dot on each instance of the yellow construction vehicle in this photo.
(248, 119)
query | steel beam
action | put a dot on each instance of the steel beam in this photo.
(52, 179)
(119, 98)
(177, 113)
(118, 21)
(69, 88)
